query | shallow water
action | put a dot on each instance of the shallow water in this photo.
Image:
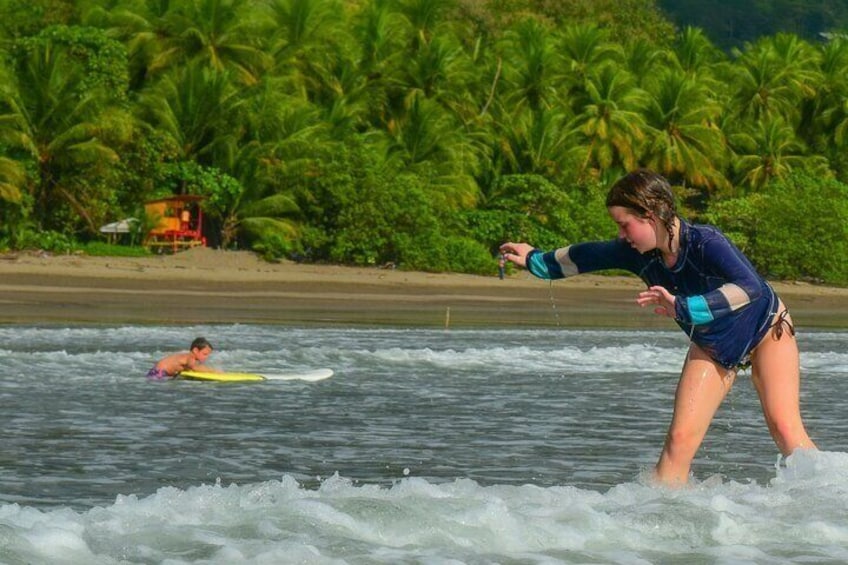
(426, 446)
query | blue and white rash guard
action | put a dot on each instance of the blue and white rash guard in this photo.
(721, 301)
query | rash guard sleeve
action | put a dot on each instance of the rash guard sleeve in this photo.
(735, 283)
(584, 258)
(550, 265)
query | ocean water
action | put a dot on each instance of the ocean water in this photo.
(426, 446)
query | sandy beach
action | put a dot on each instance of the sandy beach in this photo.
(206, 286)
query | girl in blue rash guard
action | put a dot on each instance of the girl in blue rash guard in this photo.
(698, 277)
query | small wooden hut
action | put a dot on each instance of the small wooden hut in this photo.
(178, 222)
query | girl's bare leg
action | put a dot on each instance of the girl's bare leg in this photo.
(775, 372)
(702, 387)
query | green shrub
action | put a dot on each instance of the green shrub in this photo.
(47, 240)
(531, 209)
(796, 229)
(466, 255)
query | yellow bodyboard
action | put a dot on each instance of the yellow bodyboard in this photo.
(221, 377)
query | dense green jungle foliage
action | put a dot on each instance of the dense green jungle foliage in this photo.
(417, 133)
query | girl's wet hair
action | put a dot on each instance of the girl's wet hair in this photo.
(646, 193)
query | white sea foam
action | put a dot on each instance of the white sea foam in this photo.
(416, 520)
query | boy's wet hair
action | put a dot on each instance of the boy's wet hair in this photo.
(646, 193)
(200, 343)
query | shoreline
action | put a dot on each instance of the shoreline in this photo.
(207, 286)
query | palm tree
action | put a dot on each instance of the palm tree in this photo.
(377, 29)
(443, 71)
(694, 51)
(772, 151)
(48, 122)
(284, 139)
(220, 32)
(143, 28)
(586, 47)
(800, 60)
(772, 77)
(378, 33)
(436, 65)
(336, 86)
(300, 29)
(423, 18)
(259, 211)
(289, 122)
(317, 57)
(530, 65)
(429, 142)
(609, 119)
(198, 107)
(533, 142)
(645, 60)
(162, 34)
(829, 129)
(685, 141)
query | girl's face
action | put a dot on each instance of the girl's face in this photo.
(640, 233)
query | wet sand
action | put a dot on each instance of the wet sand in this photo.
(206, 286)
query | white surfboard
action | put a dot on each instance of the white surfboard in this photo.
(311, 376)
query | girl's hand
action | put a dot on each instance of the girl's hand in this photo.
(660, 297)
(516, 252)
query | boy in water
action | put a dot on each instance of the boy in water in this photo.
(193, 360)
